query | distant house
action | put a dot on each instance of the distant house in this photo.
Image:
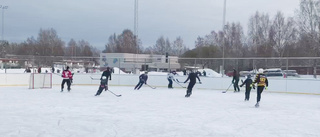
(131, 62)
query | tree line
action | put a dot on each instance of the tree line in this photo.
(48, 43)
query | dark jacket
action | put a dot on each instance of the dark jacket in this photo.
(143, 78)
(248, 83)
(192, 76)
(106, 73)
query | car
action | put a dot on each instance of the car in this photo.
(274, 72)
(292, 73)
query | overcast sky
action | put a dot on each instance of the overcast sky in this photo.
(95, 20)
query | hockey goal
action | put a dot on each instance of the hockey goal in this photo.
(40, 80)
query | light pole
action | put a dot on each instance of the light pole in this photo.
(3, 8)
(223, 27)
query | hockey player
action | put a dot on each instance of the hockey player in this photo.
(171, 79)
(249, 85)
(107, 74)
(67, 77)
(142, 80)
(262, 83)
(103, 85)
(192, 76)
(235, 81)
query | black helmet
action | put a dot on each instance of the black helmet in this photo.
(67, 67)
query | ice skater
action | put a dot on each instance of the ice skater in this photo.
(171, 79)
(249, 85)
(262, 83)
(142, 80)
(103, 85)
(235, 81)
(107, 74)
(67, 77)
(192, 76)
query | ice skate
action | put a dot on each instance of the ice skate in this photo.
(257, 105)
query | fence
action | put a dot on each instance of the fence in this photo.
(303, 65)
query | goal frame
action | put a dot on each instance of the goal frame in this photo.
(42, 77)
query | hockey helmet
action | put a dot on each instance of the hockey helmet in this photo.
(260, 70)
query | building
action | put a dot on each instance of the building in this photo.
(135, 62)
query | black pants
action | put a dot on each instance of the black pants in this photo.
(170, 83)
(190, 86)
(68, 84)
(247, 94)
(138, 86)
(236, 85)
(259, 91)
(101, 88)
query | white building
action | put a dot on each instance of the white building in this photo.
(133, 62)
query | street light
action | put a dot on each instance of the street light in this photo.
(3, 8)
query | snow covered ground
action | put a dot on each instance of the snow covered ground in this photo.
(154, 113)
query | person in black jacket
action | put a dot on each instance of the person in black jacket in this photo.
(235, 81)
(192, 76)
(106, 73)
(249, 85)
(142, 80)
(103, 85)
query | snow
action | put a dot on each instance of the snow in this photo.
(154, 113)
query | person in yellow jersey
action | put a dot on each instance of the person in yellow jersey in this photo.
(262, 83)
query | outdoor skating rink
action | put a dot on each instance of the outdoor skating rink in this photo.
(157, 112)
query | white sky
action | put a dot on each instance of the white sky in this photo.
(95, 20)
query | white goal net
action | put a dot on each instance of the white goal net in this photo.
(40, 80)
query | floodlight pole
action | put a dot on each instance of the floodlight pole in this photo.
(223, 29)
(3, 8)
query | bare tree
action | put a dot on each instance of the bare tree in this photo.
(284, 33)
(308, 20)
(160, 46)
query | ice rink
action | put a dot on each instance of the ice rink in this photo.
(157, 112)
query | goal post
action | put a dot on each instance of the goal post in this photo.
(40, 80)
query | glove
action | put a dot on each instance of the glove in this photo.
(110, 79)
(266, 87)
(241, 86)
(185, 82)
(200, 82)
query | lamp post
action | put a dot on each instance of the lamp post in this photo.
(223, 27)
(3, 8)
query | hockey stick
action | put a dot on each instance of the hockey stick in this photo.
(114, 93)
(227, 89)
(94, 78)
(180, 84)
(188, 82)
(151, 86)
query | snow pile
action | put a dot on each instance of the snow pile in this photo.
(210, 72)
(118, 71)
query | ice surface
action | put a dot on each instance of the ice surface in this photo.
(157, 112)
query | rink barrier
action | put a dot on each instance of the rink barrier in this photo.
(276, 85)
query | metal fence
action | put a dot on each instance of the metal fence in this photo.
(303, 65)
